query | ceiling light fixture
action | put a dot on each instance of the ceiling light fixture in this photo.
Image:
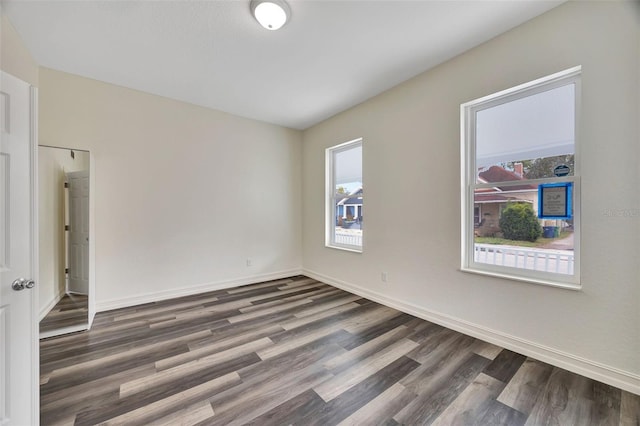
(271, 14)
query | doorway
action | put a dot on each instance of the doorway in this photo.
(64, 240)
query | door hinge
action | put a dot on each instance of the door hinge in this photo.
(66, 184)
(66, 270)
(66, 227)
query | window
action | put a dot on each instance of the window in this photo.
(344, 196)
(518, 144)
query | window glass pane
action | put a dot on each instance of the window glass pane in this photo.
(537, 168)
(347, 197)
(509, 233)
(348, 166)
(526, 138)
(517, 140)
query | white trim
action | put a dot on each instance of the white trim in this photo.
(625, 380)
(54, 301)
(91, 312)
(507, 183)
(64, 330)
(345, 247)
(469, 184)
(511, 93)
(35, 326)
(108, 305)
(498, 273)
(331, 199)
(502, 202)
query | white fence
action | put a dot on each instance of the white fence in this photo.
(558, 261)
(352, 239)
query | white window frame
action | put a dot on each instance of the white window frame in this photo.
(469, 185)
(331, 196)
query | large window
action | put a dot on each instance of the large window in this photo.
(344, 196)
(520, 174)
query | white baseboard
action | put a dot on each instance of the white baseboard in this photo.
(594, 370)
(64, 330)
(108, 305)
(53, 302)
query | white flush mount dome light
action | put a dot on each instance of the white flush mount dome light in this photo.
(271, 14)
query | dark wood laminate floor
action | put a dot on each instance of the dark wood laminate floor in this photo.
(297, 351)
(71, 310)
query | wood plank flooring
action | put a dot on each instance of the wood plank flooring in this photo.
(297, 351)
(70, 311)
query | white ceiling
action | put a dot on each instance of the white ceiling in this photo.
(332, 55)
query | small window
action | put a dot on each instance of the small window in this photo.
(345, 214)
(515, 144)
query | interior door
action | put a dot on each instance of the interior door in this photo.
(18, 325)
(78, 237)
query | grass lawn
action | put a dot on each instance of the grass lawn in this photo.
(503, 241)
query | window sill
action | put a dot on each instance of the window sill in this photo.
(520, 278)
(352, 249)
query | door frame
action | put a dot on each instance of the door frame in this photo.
(92, 238)
(92, 227)
(35, 308)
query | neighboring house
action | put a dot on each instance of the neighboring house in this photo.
(489, 203)
(350, 208)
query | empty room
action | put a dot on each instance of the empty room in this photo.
(318, 212)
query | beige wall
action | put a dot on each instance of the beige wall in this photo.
(53, 163)
(184, 195)
(14, 56)
(412, 151)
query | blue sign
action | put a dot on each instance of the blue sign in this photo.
(554, 200)
(561, 170)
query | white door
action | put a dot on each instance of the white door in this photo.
(78, 237)
(18, 325)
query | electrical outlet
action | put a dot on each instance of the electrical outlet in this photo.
(384, 277)
(249, 262)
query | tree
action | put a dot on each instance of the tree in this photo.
(519, 222)
(541, 167)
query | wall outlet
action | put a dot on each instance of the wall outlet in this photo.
(384, 277)
(249, 262)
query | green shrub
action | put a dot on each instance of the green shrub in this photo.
(519, 222)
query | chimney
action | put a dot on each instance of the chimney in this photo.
(518, 169)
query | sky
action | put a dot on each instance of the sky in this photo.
(537, 126)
